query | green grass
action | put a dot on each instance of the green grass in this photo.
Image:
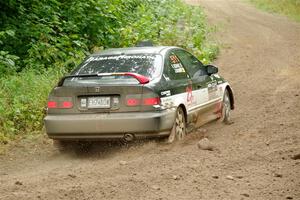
(290, 8)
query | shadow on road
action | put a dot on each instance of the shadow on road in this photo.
(105, 149)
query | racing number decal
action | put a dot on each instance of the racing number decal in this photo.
(174, 59)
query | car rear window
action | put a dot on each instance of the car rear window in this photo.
(148, 65)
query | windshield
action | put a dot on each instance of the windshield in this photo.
(148, 65)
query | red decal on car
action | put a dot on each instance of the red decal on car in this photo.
(189, 91)
(218, 109)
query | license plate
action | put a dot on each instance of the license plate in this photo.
(99, 102)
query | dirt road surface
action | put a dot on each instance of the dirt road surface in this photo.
(254, 158)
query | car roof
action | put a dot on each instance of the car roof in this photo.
(135, 50)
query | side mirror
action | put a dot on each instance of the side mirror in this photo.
(211, 69)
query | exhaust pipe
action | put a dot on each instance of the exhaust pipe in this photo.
(128, 137)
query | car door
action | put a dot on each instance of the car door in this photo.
(198, 74)
(205, 91)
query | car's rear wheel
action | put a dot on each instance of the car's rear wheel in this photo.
(226, 108)
(178, 131)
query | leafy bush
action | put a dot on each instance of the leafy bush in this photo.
(22, 102)
(41, 40)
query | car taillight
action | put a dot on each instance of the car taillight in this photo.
(145, 102)
(52, 104)
(133, 102)
(151, 101)
(64, 104)
(67, 104)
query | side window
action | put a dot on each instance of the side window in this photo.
(194, 67)
(173, 68)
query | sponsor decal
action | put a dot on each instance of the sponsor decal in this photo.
(167, 102)
(166, 93)
(178, 68)
(176, 64)
(117, 57)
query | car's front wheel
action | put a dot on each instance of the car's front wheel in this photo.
(178, 131)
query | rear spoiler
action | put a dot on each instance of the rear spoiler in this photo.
(142, 79)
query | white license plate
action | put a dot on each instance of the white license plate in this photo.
(99, 102)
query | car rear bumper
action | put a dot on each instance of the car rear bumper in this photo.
(109, 125)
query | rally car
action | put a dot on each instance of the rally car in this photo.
(137, 92)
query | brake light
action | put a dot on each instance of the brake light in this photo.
(151, 101)
(146, 101)
(64, 104)
(67, 104)
(133, 102)
(52, 104)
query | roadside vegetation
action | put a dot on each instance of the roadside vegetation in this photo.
(42, 40)
(290, 8)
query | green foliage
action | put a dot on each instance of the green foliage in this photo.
(290, 8)
(8, 64)
(23, 99)
(41, 40)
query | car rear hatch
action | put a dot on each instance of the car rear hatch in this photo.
(97, 98)
(100, 84)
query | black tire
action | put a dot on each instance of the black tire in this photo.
(226, 108)
(178, 132)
